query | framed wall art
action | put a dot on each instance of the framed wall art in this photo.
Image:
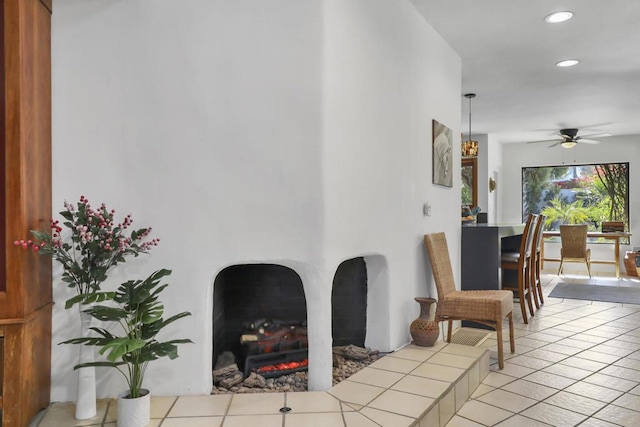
(442, 155)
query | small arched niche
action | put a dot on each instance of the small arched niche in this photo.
(349, 303)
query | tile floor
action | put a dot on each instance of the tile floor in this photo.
(576, 363)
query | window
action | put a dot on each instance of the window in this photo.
(577, 194)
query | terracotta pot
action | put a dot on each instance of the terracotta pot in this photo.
(424, 330)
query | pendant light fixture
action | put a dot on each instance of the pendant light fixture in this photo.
(469, 147)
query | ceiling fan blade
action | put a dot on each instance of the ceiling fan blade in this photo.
(556, 144)
(596, 135)
(588, 141)
(544, 140)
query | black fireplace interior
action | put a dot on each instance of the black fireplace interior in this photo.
(349, 303)
(245, 293)
(254, 292)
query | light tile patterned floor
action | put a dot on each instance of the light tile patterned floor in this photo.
(576, 363)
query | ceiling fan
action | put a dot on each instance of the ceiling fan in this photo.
(569, 138)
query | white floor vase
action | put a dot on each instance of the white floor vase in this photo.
(134, 412)
(86, 394)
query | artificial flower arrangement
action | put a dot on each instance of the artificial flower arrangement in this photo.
(95, 245)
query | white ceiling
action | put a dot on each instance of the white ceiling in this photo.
(509, 54)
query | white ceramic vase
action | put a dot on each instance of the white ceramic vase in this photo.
(134, 412)
(86, 397)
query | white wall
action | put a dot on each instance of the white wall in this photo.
(296, 133)
(489, 164)
(612, 149)
(383, 86)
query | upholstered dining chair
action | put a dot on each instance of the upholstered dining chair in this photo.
(521, 262)
(536, 261)
(487, 307)
(573, 241)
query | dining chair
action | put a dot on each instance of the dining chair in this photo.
(573, 245)
(536, 262)
(487, 307)
(521, 262)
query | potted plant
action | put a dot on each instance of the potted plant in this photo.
(93, 246)
(139, 312)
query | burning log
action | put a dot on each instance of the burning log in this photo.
(268, 336)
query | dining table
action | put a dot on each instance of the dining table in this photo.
(614, 237)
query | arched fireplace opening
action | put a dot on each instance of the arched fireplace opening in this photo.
(258, 309)
(349, 303)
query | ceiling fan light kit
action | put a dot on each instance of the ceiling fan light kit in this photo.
(567, 63)
(557, 17)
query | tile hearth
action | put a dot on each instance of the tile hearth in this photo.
(414, 386)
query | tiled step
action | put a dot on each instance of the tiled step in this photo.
(412, 387)
(415, 386)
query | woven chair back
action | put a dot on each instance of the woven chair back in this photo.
(440, 263)
(527, 236)
(537, 235)
(573, 238)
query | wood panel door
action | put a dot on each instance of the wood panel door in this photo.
(25, 159)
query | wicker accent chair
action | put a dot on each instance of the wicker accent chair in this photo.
(573, 239)
(521, 262)
(536, 262)
(487, 307)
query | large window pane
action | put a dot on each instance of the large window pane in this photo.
(577, 194)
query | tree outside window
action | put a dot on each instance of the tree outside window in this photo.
(577, 194)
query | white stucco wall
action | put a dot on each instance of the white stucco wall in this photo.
(612, 149)
(387, 75)
(494, 168)
(296, 133)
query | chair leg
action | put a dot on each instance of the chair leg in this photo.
(500, 343)
(560, 269)
(511, 337)
(589, 268)
(522, 297)
(527, 291)
(449, 327)
(532, 284)
(539, 282)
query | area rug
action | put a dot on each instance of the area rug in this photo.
(596, 293)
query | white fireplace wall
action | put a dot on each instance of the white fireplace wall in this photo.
(285, 132)
(387, 75)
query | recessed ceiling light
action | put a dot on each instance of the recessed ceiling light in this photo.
(556, 17)
(567, 63)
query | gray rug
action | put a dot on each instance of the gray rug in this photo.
(596, 293)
